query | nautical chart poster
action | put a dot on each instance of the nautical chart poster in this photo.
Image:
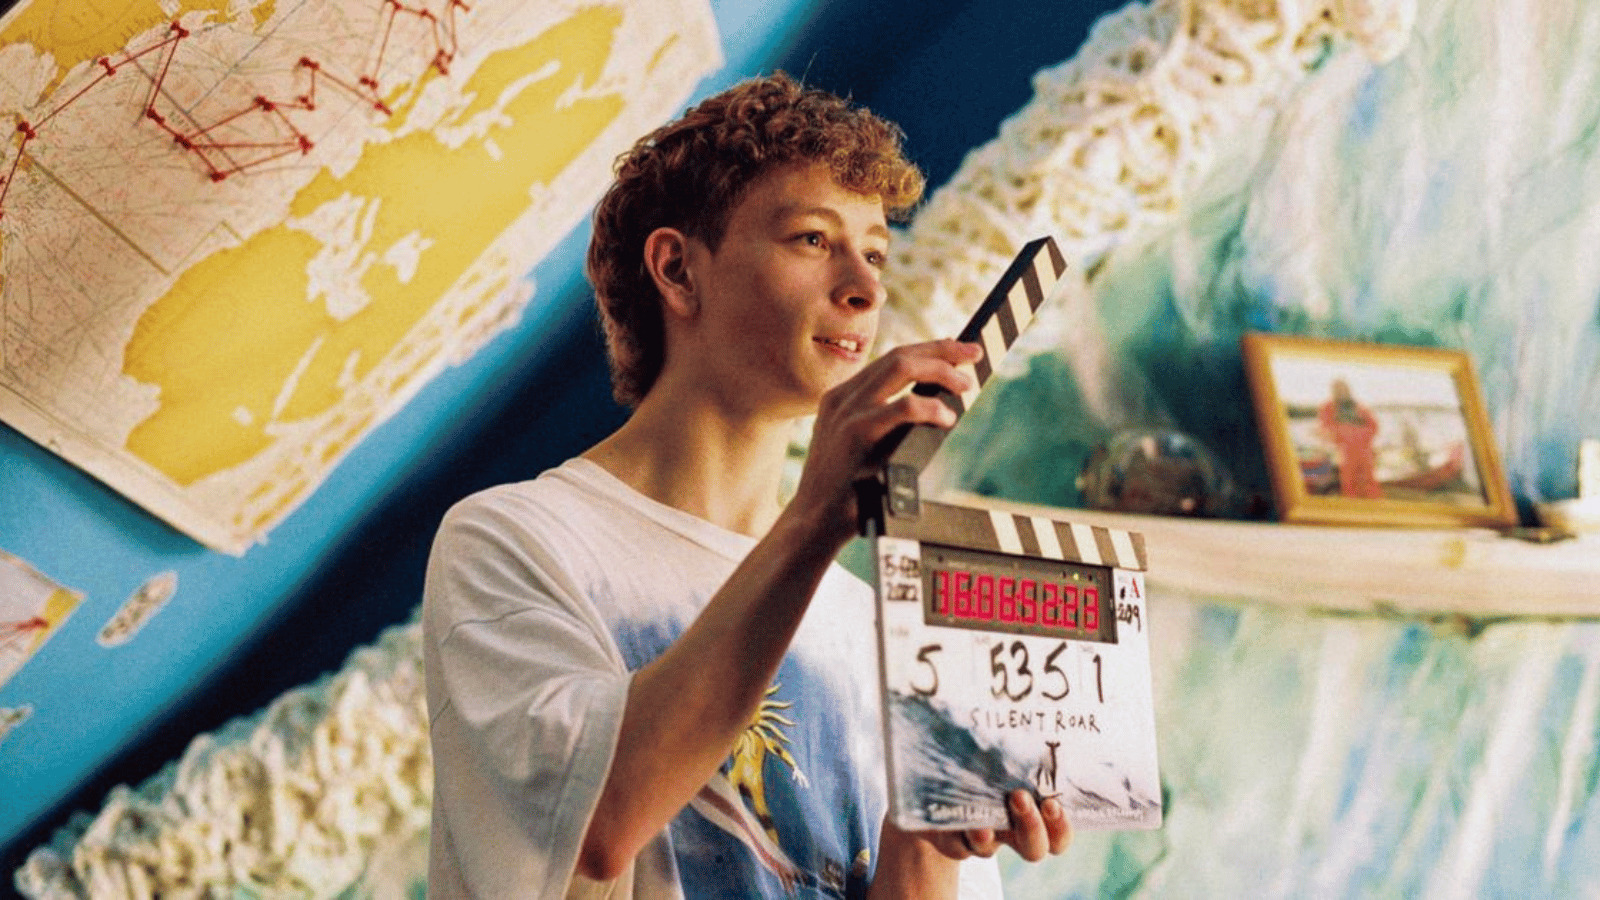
(236, 236)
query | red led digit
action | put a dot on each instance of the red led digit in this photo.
(985, 597)
(1091, 608)
(1027, 607)
(1052, 603)
(1071, 591)
(963, 595)
(1008, 599)
(941, 590)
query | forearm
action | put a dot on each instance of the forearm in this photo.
(910, 867)
(685, 710)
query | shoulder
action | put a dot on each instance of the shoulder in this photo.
(554, 502)
(550, 493)
(518, 532)
(565, 530)
(521, 549)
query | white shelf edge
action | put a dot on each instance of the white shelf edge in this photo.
(1469, 572)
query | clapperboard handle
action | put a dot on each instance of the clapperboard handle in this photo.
(1002, 316)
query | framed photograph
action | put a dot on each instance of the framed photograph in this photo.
(1375, 434)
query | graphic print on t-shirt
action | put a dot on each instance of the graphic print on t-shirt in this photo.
(746, 763)
(746, 815)
(785, 816)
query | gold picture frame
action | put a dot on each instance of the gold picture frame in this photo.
(1375, 434)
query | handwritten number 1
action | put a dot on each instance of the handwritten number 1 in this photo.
(1099, 681)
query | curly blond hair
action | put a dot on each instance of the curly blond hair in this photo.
(690, 174)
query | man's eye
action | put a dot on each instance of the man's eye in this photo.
(812, 239)
(877, 259)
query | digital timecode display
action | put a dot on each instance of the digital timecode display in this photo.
(1017, 594)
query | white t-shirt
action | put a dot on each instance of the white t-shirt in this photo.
(541, 598)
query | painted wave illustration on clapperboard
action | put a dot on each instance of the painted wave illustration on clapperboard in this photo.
(1014, 648)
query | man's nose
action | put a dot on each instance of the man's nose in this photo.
(861, 283)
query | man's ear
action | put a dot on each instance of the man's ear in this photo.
(666, 256)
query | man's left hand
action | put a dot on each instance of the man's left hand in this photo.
(1037, 830)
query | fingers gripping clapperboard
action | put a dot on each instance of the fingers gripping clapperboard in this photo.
(1013, 647)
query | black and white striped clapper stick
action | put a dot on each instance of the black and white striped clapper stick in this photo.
(891, 505)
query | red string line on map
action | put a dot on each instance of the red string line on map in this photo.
(222, 152)
(16, 636)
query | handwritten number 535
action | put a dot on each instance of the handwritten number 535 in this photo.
(1014, 680)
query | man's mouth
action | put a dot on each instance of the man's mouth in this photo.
(848, 345)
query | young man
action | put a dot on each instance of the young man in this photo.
(646, 677)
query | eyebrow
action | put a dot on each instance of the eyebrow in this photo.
(786, 212)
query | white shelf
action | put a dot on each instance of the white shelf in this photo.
(1477, 573)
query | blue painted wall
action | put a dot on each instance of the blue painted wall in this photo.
(240, 631)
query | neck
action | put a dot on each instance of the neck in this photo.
(683, 450)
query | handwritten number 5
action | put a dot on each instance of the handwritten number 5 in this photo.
(1050, 667)
(922, 657)
(1002, 687)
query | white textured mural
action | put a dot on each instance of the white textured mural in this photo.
(326, 790)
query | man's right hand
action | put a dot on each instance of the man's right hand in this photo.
(859, 413)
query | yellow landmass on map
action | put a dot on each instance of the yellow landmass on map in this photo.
(56, 609)
(75, 32)
(237, 344)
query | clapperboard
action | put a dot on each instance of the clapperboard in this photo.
(1014, 649)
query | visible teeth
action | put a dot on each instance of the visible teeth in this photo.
(849, 345)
